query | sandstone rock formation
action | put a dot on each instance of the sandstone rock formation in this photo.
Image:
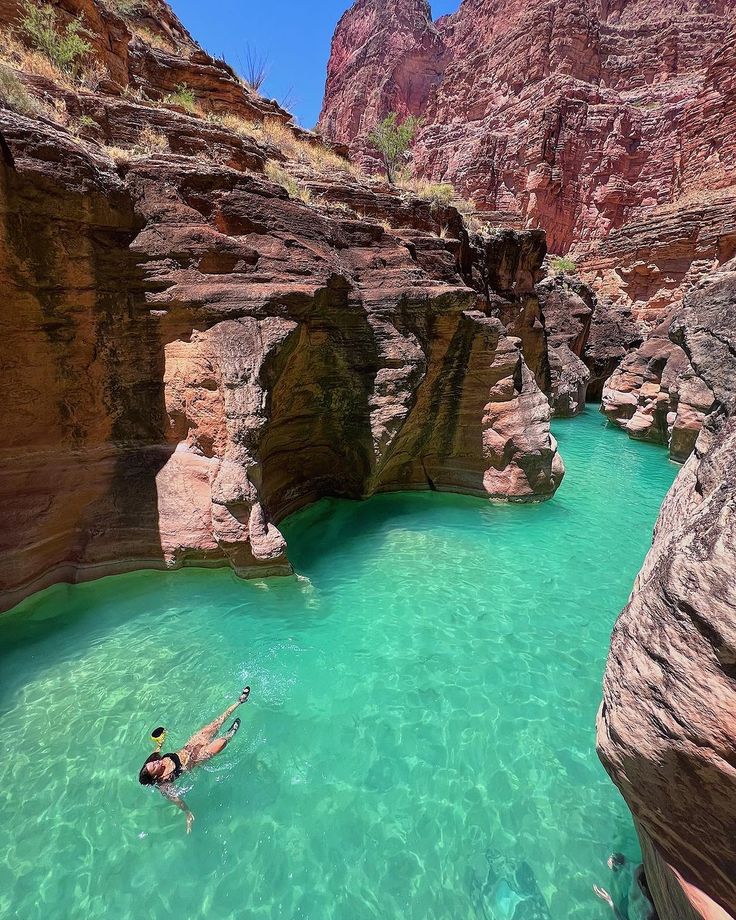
(567, 308)
(587, 338)
(613, 334)
(666, 732)
(191, 352)
(655, 395)
(149, 51)
(610, 125)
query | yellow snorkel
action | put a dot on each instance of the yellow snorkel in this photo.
(158, 736)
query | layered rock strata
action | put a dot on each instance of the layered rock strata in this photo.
(148, 53)
(655, 395)
(612, 126)
(587, 338)
(191, 352)
(567, 309)
(666, 730)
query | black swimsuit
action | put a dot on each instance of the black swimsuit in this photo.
(174, 758)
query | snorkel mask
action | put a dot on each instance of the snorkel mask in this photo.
(158, 736)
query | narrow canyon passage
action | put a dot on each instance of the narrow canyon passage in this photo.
(420, 736)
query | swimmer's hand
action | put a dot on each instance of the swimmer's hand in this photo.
(168, 792)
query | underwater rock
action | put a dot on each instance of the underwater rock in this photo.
(502, 889)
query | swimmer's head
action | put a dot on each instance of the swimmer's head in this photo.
(158, 736)
(616, 862)
(151, 770)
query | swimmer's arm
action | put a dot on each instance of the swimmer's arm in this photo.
(169, 793)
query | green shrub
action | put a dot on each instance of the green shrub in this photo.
(123, 8)
(561, 265)
(392, 140)
(183, 96)
(13, 94)
(65, 47)
(79, 125)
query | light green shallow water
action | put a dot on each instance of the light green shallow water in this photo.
(420, 737)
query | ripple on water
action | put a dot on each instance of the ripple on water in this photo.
(420, 737)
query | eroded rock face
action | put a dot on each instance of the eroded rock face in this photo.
(190, 354)
(613, 334)
(649, 264)
(655, 395)
(612, 126)
(567, 308)
(506, 266)
(666, 730)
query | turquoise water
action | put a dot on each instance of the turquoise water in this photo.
(420, 737)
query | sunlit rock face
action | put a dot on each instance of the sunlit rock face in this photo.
(666, 730)
(655, 395)
(190, 353)
(612, 126)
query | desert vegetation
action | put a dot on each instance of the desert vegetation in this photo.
(392, 139)
(183, 97)
(14, 95)
(66, 47)
(276, 134)
(561, 265)
(294, 188)
(124, 8)
(254, 68)
(44, 46)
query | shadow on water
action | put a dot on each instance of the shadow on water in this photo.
(77, 617)
(333, 525)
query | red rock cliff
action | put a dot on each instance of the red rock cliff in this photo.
(667, 732)
(587, 119)
(202, 331)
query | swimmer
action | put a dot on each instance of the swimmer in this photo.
(161, 770)
(616, 862)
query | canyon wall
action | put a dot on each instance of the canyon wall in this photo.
(655, 395)
(610, 125)
(202, 332)
(666, 731)
(613, 127)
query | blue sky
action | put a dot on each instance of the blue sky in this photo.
(294, 35)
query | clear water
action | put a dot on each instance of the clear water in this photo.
(420, 737)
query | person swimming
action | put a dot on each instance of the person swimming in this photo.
(618, 898)
(629, 898)
(161, 770)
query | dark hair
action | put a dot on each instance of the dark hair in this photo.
(157, 732)
(144, 777)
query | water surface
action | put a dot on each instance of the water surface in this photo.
(420, 737)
